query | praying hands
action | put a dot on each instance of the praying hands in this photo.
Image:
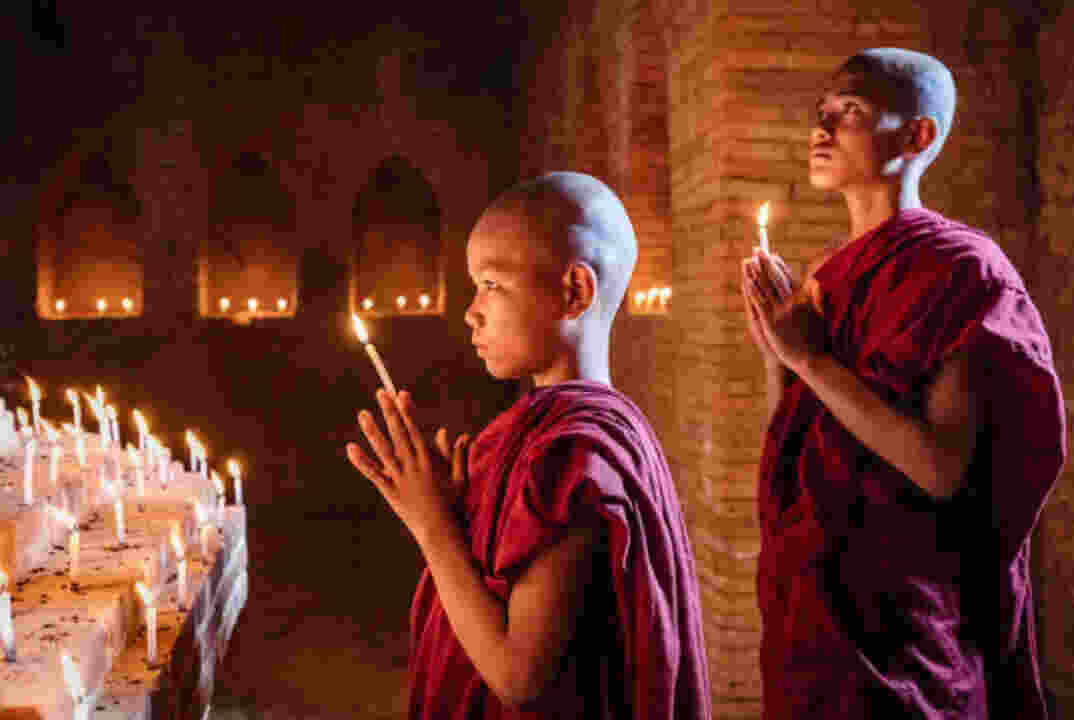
(422, 487)
(782, 318)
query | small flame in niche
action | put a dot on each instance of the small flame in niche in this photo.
(252, 304)
(424, 301)
(225, 304)
(102, 305)
(128, 305)
(367, 304)
(401, 301)
(61, 305)
(281, 304)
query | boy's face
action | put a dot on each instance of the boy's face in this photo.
(854, 138)
(516, 308)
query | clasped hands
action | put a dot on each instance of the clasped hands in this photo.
(421, 486)
(782, 318)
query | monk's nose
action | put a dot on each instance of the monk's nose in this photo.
(820, 134)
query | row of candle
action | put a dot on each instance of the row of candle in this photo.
(400, 302)
(648, 299)
(102, 305)
(252, 304)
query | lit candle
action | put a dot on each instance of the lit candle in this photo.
(24, 422)
(762, 227)
(55, 455)
(203, 529)
(135, 458)
(252, 304)
(191, 443)
(424, 301)
(73, 680)
(74, 541)
(76, 407)
(665, 295)
(143, 431)
(28, 472)
(128, 305)
(371, 350)
(61, 305)
(35, 400)
(236, 474)
(180, 560)
(218, 485)
(639, 297)
(654, 293)
(7, 628)
(113, 418)
(121, 527)
(401, 301)
(225, 304)
(281, 304)
(203, 462)
(102, 305)
(150, 621)
(367, 304)
(97, 406)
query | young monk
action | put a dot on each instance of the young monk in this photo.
(564, 586)
(917, 430)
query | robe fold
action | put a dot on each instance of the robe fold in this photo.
(559, 454)
(877, 599)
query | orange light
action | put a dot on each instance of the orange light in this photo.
(639, 297)
(61, 305)
(128, 305)
(359, 329)
(281, 304)
(424, 301)
(225, 304)
(401, 301)
(367, 304)
(762, 215)
(102, 305)
(252, 304)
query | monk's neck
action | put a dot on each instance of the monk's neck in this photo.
(871, 207)
(588, 363)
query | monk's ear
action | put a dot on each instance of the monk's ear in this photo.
(579, 288)
(923, 132)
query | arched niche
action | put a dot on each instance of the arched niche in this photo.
(89, 252)
(398, 248)
(248, 266)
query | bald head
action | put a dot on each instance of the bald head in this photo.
(904, 82)
(574, 217)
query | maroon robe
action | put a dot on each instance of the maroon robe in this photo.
(559, 453)
(878, 600)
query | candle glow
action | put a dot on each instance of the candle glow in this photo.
(371, 350)
(235, 471)
(252, 304)
(401, 301)
(424, 301)
(281, 304)
(102, 305)
(367, 304)
(76, 408)
(35, 403)
(225, 304)
(128, 304)
(61, 305)
(150, 621)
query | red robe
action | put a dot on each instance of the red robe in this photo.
(638, 651)
(877, 600)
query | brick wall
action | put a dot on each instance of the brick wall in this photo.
(741, 80)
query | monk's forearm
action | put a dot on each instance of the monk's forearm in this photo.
(903, 441)
(477, 615)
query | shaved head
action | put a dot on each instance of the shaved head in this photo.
(573, 217)
(904, 82)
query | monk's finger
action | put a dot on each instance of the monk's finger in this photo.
(458, 462)
(364, 465)
(406, 411)
(442, 444)
(390, 409)
(379, 443)
(776, 276)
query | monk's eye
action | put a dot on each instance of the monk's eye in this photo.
(489, 285)
(852, 108)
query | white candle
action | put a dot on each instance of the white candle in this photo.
(54, 465)
(150, 622)
(143, 431)
(113, 418)
(121, 528)
(7, 629)
(363, 337)
(28, 472)
(76, 407)
(236, 474)
(191, 442)
(139, 469)
(35, 399)
(203, 529)
(762, 226)
(218, 485)
(180, 561)
(73, 680)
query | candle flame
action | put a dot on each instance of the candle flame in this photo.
(102, 305)
(217, 482)
(359, 329)
(35, 392)
(762, 215)
(665, 294)
(128, 305)
(252, 304)
(424, 301)
(281, 304)
(139, 420)
(191, 441)
(144, 593)
(367, 304)
(233, 468)
(61, 305)
(72, 397)
(401, 301)
(225, 303)
(639, 297)
(24, 419)
(177, 542)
